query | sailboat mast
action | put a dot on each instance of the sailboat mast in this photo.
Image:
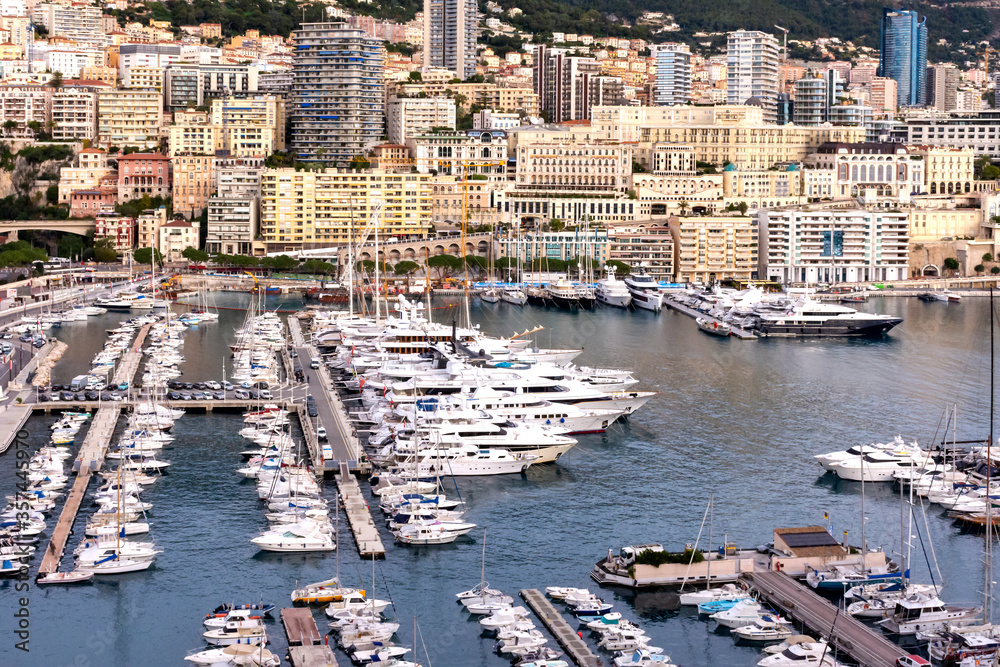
(988, 556)
(711, 521)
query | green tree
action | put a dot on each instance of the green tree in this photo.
(52, 194)
(359, 162)
(416, 76)
(556, 225)
(144, 255)
(951, 264)
(988, 257)
(742, 206)
(978, 268)
(285, 263)
(683, 206)
(405, 268)
(10, 125)
(991, 172)
(317, 266)
(621, 268)
(57, 80)
(195, 255)
(995, 270)
(71, 245)
(476, 264)
(445, 265)
(104, 250)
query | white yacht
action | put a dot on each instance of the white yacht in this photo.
(305, 536)
(463, 461)
(515, 296)
(613, 292)
(645, 291)
(815, 318)
(433, 533)
(802, 654)
(252, 656)
(927, 613)
(874, 467)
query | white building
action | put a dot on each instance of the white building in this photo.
(232, 225)
(174, 237)
(69, 62)
(752, 68)
(79, 21)
(673, 74)
(408, 117)
(451, 28)
(833, 245)
(487, 119)
(74, 114)
(886, 173)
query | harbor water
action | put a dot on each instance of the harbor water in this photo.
(740, 420)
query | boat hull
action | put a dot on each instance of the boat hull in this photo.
(646, 300)
(831, 328)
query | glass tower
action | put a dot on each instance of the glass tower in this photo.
(903, 55)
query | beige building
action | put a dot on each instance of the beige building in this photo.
(936, 224)
(307, 209)
(174, 237)
(148, 226)
(144, 78)
(882, 95)
(473, 152)
(485, 95)
(602, 168)
(108, 75)
(644, 243)
(93, 167)
(411, 116)
(194, 183)
(713, 248)
(129, 118)
(241, 128)
(24, 104)
(74, 114)
(735, 134)
(947, 170)
(449, 196)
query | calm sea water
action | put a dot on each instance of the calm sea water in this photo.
(739, 420)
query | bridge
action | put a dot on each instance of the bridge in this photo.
(72, 226)
(420, 249)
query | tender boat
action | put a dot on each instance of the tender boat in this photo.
(255, 656)
(64, 578)
(927, 613)
(714, 327)
(765, 629)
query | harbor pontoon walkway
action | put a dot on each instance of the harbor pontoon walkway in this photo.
(576, 649)
(851, 637)
(691, 312)
(300, 626)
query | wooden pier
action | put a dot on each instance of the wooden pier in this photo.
(742, 334)
(300, 626)
(849, 636)
(359, 515)
(576, 649)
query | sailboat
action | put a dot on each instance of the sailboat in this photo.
(491, 294)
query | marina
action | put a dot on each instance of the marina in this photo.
(628, 450)
(568, 639)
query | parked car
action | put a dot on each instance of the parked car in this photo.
(105, 397)
(260, 384)
(241, 394)
(66, 396)
(293, 354)
(213, 385)
(321, 433)
(43, 398)
(220, 395)
(174, 396)
(227, 385)
(185, 396)
(266, 394)
(200, 385)
(253, 394)
(115, 396)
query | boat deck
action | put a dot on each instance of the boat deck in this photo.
(576, 649)
(850, 636)
(742, 334)
(299, 626)
(311, 656)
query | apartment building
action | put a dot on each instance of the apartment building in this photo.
(174, 237)
(564, 246)
(305, 209)
(192, 85)
(833, 245)
(408, 116)
(476, 153)
(337, 105)
(752, 70)
(142, 174)
(572, 167)
(648, 244)
(24, 104)
(673, 74)
(146, 55)
(120, 229)
(74, 114)
(193, 183)
(144, 77)
(148, 227)
(78, 21)
(232, 225)
(92, 169)
(714, 248)
(129, 118)
(569, 87)
(881, 173)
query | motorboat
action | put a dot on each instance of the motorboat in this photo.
(514, 296)
(802, 654)
(564, 294)
(645, 291)
(745, 612)
(307, 535)
(643, 658)
(590, 608)
(248, 617)
(874, 467)
(767, 628)
(612, 292)
(927, 613)
(491, 295)
(438, 532)
(841, 577)
(727, 592)
(237, 633)
(629, 640)
(356, 602)
(64, 578)
(504, 618)
(714, 327)
(376, 652)
(252, 656)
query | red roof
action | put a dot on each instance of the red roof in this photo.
(177, 223)
(144, 156)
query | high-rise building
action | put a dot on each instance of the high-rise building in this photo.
(337, 106)
(752, 66)
(451, 28)
(903, 55)
(815, 94)
(673, 74)
(942, 87)
(568, 87)
(882, 94)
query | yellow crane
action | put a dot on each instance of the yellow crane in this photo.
(985, 52)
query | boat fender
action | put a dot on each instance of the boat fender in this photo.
(562, 420)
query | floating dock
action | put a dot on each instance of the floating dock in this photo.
(742, 334)
(359, 515)
(299, 626)
(851, 637)
(576, 649)
(311, 656)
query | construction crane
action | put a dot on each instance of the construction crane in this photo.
(985, 52)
